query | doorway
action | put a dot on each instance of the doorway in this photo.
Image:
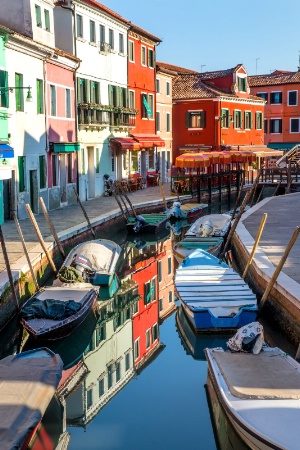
(63, 179)
(91, 173)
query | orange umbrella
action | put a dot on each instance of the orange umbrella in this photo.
(243, 156)
(193, 160)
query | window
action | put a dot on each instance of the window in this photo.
(146, 110)
(21, 170)
(111, 38)
(159, 271)
(39, 96)
(266, 126)
(95, 92)
(242, 84)
(143, 56)
(150, 291)
(109, 376)
(157, 86)
(19, 92)
(292, 98)
(92, 31)
(151, 106)
(170, 296)
(195, 119)
(42, 166)
(237, 119)
(55, 170)
(248, 120)
(157, 121)
(47, 19)
(82, 90)
(134, 162)
(127, 361)
(121, 43)
(168, 124)
(151, 158)
(294, 126)
(168, 88)
(276, 98)
(169, 265)
(52, 100)
(68, 102)
(160, 304)
(4, 98)
(101, 387)
(131, 99)
(225, 121)
(102, 34)
(263, 95)
(259, 121)
(79, 26)
(112, 95)
(275, 125)
(89, 398)
(148, 338)
(38, 16)
(137, 348)
(118, 370)
(150, 58)
(154, 333)
(131, 51)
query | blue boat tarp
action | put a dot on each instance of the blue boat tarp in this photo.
(49, 309)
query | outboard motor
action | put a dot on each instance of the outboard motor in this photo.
(175, 210)
(206, 228)
(140, 222)
(83, 265)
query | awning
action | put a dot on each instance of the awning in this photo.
(126, 143)
(268, 152)
(64, 147)
(149, 140)
(6, 151)
(193, 160)
(285, 146)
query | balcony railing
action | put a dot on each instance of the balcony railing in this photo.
(92, 114)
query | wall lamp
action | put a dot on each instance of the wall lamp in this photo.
(28, 97)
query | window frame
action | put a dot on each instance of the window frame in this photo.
(273, 95)
(151, 58)
(111, 38)
(121, 44)
(143, 56)
(79, 26)
(47, 20)
(259, 120)
(288, 98)
(131, 51)
(39, 96)
(168, 88)
(19, 92)
(292, 119)
(53, 103)
(247, 118)
(68, 103)
(158, 121)
(92, 32)
(38, 15)
(168, 122)
(200, 123)
(238, 120)
(272, 125)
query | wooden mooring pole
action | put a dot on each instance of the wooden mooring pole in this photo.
(51, 226)
(26, 252)
(84, 212)
(258, 236)
(279, 267)
(10, 277)
(40, 237)
(162, 194)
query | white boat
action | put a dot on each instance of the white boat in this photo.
(94, 262)
(189, 244)
(260, 395)
(213, 295)
(210, 225)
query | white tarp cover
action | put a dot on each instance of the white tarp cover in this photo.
(100, 253)
(28, 382)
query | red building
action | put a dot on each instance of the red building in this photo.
(280, 90)
(214, 110)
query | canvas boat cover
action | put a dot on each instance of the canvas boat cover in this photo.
(28, 382)
(49, 309)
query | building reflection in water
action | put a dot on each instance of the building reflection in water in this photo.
(126, 337)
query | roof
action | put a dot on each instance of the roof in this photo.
(275, 78)
(172, 68)
(189, 86)
(220, 73)
(143, 32)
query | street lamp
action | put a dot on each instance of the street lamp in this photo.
(202, 65)
(7, 88)
(256, 64)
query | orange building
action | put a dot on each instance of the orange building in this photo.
(280, 90)
(214, 110)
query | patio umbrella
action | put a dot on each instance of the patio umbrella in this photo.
(242, 156)
(193, 160)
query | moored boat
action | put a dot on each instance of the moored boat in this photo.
(55, 311)
(180, 211)
(147, 223)
(213, 295)
(210, 225)
(28, 382)
(260, 394)
(189, 244)
(93, 262)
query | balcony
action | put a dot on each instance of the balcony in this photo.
(95, 116)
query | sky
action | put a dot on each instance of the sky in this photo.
(208, 35)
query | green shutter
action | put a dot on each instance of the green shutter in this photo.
(42, 165)
(4, 94)
(21, 170)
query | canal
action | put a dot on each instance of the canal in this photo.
(134, 372)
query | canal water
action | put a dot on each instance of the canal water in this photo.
(134, 372)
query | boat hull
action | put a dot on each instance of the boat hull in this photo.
(154, 223)
(202, 320)
(186, 247)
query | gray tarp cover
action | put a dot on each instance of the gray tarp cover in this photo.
(49, 309)
(27, 386)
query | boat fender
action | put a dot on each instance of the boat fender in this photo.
(175, 210)
(206, 229)
(249, 339)
(140, 222)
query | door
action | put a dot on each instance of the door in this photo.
(91, 173)
(63, 179)
(143, 164)
(34, 191)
